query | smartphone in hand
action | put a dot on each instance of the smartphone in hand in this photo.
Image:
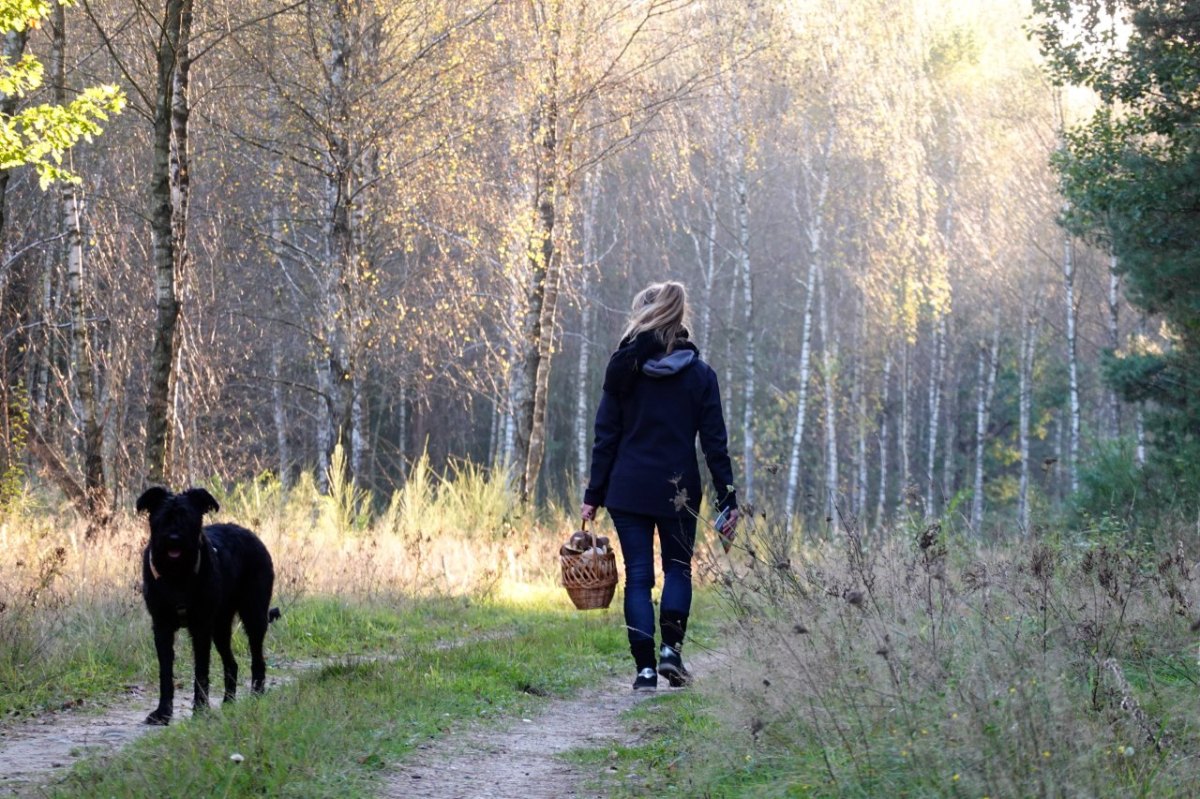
(719, 525)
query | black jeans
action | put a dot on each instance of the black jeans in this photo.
(677, 539)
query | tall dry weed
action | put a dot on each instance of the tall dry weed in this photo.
(64, 598)
(926, 666)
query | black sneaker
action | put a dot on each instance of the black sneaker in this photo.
(670, 665)
(646, 680)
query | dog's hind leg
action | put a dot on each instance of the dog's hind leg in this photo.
(222, 638)
(202, 654)
(164, 647)
(256, 631)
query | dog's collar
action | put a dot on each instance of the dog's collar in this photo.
(154, 571)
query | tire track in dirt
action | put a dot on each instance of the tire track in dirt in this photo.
(34, 752)
(522, 758)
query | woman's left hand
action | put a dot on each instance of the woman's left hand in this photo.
(730, 527)
(587, 512)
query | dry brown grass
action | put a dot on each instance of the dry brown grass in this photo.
(925, 667)
(71, 615)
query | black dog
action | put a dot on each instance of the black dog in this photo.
(198, 576)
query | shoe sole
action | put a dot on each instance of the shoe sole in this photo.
(675, 677)
(645, 687)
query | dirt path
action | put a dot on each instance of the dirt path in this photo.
(516, 760)
(33, 752)
(520, 759)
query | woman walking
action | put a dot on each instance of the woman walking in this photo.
(658, 396)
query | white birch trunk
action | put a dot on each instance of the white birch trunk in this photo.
(1139, 419)
(805, 374)
(1073, 421)
(358, 428)
(590, 253)
(1114, 342)
(333, 366)
(494, 440)
(949, 440)
(1025, 403)
(402, 427)
(741, 202)
(749, 365)
(815, 185)
(582, 450)
(1139, 431)
(706, 258)
(935, 402)
(860, 406)
(906, 486)
(884, 442)
(989, 366)
(279, 416)
(829, 357)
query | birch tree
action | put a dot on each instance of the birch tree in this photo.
(170, 120)
(989, 367)
(576, 90)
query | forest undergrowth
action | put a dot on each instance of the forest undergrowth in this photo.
(928, 665)
(913, 663)
(72, 621)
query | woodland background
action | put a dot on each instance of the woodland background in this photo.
(415, 227)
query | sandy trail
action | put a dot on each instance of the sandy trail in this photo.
(520, 759)
(516, 759)
(34, 752)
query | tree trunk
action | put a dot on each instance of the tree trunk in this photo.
(334, 366)
(1114, 342)
(96, 506)
(1025, 402)
(590, 254)
(545, 269)
(1073, 420)
(858, 401)
(936, 371)
(906, 486)
(163, 236)
(885, 414)
(989, 366)
(706, 256)
(42, 340)
(279, 413)
(742, 212)
(1139, 419)
(829, 366)
(805, 374)
(12, 48)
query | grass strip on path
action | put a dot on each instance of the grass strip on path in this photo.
(329, 733)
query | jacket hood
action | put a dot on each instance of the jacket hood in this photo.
(667, 365)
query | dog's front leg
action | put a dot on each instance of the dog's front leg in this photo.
(164, 646)
(201, 651)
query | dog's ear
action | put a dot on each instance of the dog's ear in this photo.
(201, 500)
(152, 499)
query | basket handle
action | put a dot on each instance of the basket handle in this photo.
(592, 533)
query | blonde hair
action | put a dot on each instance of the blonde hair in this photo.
(661, 307)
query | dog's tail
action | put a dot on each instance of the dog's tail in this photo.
(273, 615)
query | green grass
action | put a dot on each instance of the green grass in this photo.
(686, 750)
(333, 730)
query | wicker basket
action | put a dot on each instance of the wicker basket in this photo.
(591, 581)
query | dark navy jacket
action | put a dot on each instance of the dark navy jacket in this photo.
(644, 456)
